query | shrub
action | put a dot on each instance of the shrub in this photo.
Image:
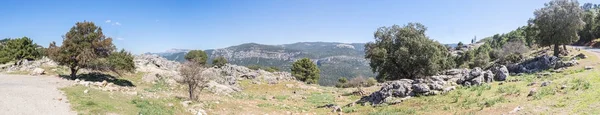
(191, 76)
(197, 56)
(219, 61)
(305, 70)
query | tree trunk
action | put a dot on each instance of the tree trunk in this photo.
(73, 73)
(191, 91)
(565, 48)
(556, 50)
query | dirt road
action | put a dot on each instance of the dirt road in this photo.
(33, 95)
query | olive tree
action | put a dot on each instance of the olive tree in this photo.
(558, 23)
(406, 52)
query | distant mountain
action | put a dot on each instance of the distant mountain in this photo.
(335, 60)
(173, 54)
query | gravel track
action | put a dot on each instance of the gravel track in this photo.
(33, 95)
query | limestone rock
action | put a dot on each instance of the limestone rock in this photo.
(501, 73)
(38, 71)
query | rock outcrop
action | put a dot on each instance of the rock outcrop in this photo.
(540, 63)
(433, 85)
(223, 80)
(30, 66)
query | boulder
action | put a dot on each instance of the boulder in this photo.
(420, 88)
(475, 72)
(545, 83)
(488, 76)
(589, 67)
(398, 88)
(201, 112)
(581, 56)
(217, 88)
(532, 92)
(38, 71)
(501, 73)
(539, 63)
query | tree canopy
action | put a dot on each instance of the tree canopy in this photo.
(406, 52)
(558, 23)
(197, 56)
(19, 49)
(83, 44)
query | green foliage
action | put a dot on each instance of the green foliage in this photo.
(343, 80)
(83, 44)
(121, 61)
(406, 52)
(219, 61)
(18, 49)
(558, 23)
(197, 56)
(305, 70)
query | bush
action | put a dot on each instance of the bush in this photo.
(305, 70)
(197, 56)
(219, 61)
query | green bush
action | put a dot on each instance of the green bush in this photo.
(305, 70)
(197, 56)
(219, 61)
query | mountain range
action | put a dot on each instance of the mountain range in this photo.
(335, 60)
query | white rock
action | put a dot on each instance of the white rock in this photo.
(85, 91)
(38, 71)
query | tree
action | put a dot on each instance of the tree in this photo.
(459, 46)
(219, 61)
(197, 56)
(406, 52)
(83, 44)
(19, 49)
(305, 70)
(558, 23)
(191, 76)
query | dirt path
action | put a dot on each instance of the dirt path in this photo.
(33, 95)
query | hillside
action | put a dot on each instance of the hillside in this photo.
(334, 59)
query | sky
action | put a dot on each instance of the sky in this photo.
(143, 26)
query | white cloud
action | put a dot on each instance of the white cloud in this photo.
(117, 23)
(108, 21)
(120, 38)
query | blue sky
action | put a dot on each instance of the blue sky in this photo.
(157, 25)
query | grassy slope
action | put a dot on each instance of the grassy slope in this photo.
(293, 97)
